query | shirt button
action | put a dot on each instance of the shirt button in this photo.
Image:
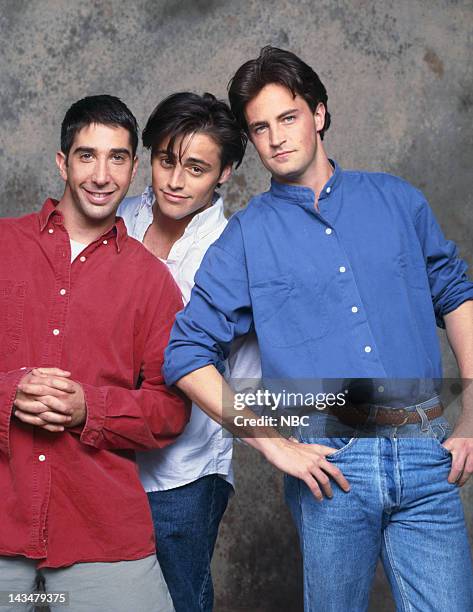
(367, 349)
(63, 292)
(328, 190)
(328, 231)
(51, 231)
(55, 332)
(105, 242)
(380, 388)
(82, 258)
(354, 309)
(342, 269)
(42, 458)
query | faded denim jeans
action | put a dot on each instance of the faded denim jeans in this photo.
(400, 508)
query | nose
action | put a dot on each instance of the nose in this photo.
(176, 178)
(101, 173)
(276, 137)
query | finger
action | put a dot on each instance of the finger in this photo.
(30, 406)
(463, 478)
(324, 482)
(458, 465)
(55, 418)
(322, 449)
(29, 418)
(51, 372)
(50, 427)
(55, 404)
(292, 439)
(336, 474)
(39, 389)
(313, 486)
(62, 384)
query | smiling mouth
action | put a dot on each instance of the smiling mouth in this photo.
(98, 197)
(173, 197)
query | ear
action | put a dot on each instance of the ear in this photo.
(319, 116)
(61, 163)
(225, 174)
(135, 168)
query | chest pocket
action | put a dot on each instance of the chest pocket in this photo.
(12, 304)
(283, 313)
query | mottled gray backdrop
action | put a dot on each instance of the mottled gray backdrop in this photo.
(399, 77)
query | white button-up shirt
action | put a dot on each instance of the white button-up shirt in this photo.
(202, 448)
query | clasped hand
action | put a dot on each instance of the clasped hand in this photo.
(49, 399)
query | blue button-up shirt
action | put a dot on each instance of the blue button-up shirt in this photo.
(352, 290)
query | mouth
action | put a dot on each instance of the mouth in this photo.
(282, 155)
(98, 197)
(173, 197)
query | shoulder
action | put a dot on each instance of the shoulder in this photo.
(128, 207)
(380, 180)
(382, 186)
(18, 224)
(143, 263)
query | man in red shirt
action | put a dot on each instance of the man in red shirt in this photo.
(85, 315)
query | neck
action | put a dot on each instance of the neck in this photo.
(80, 228)
(170, 230)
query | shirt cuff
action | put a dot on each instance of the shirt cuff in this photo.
(96, 412)
(8, 387)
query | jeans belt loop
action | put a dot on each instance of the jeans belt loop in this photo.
(423, 416)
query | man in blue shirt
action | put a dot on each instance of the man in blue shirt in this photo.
(342, 275)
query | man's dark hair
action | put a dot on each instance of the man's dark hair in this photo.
(103, 109)
(185, 113)
(276, 66)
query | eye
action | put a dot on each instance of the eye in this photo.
(259, 129)
(289, 119)
(166, 162)
(118, 157)
(86, 157)
(196, 170)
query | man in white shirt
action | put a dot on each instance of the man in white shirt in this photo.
(194, 142)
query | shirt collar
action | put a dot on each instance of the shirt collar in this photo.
(49, 210)
(300, 194)
(205, 221)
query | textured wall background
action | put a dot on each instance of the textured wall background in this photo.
(400, 82)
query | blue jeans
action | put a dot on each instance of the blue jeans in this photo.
(400, 508)
(186, 521)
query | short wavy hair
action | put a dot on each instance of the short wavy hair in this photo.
(276, 66)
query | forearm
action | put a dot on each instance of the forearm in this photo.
(138, 419)
(459, 326)
(207, 388)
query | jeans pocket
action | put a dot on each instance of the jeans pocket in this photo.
(343, 449)
(441, 429)
(341, 445)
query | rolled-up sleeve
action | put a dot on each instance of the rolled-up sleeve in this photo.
(449, 283)
(219, 309)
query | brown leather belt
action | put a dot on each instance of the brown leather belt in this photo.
(357, 414)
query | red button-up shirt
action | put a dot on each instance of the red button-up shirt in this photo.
(75, 496)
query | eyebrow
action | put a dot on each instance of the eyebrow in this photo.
(280, 116)
(121, 151)
(191, 160)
